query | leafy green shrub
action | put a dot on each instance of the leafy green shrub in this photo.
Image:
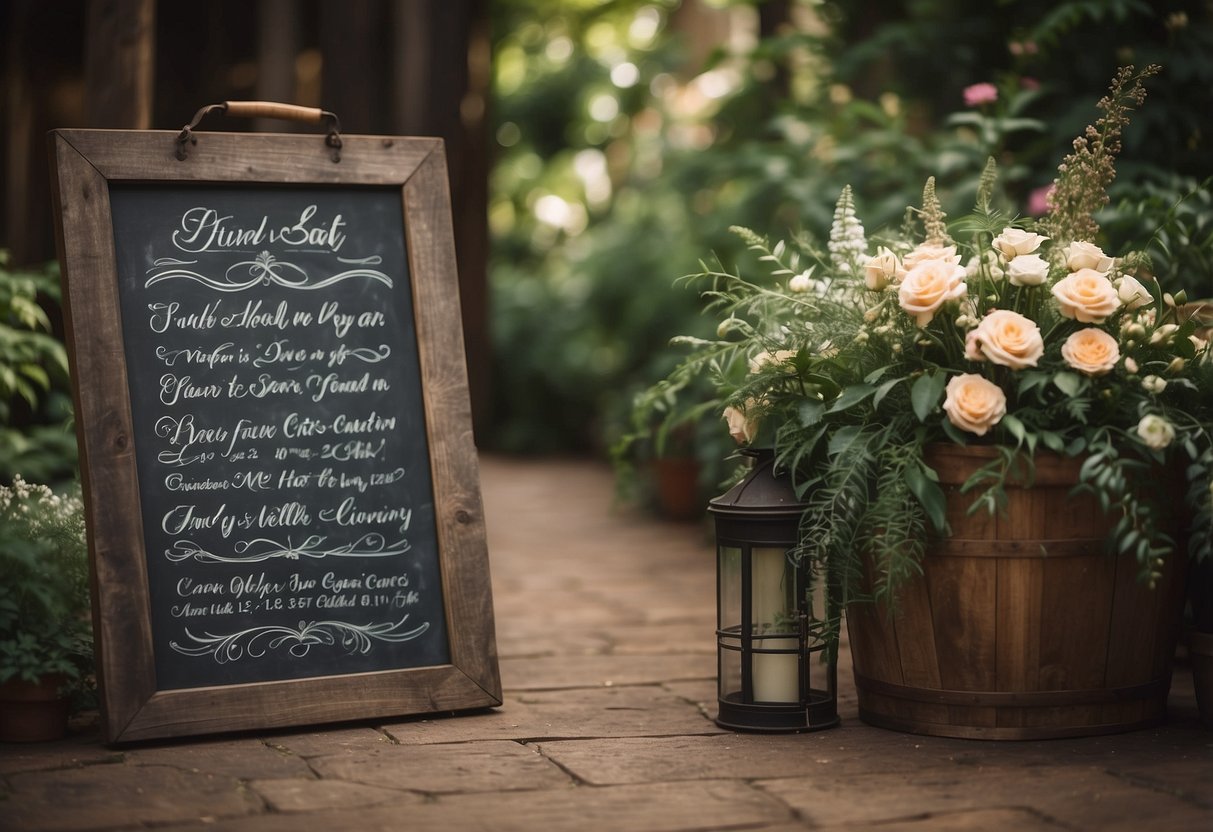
(35, 400)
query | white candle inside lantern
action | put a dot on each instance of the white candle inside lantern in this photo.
(775, 676)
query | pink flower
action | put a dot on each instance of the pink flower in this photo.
(1038, 200)
(978, 94)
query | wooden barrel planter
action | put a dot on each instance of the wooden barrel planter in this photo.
(1023, 625)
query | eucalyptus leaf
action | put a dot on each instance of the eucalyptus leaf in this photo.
(884, 390)
(926, 392)
(810, 412)
(852, 396)
(929, 495)
(1068, 383)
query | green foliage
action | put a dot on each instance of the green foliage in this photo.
(45, 624)
(871, 95)
(35, 402)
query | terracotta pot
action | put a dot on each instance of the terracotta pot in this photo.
(678, 495)
(1022, 625)
(32, 712)
(1200, 653)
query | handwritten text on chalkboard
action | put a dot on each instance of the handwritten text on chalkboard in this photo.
(280, 432)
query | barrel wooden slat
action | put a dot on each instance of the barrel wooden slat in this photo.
(1023, 625)
(919, 664)
(1020, 582)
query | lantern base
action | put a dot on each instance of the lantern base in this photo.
(821, 713)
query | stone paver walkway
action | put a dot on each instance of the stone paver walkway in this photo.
(605, 626)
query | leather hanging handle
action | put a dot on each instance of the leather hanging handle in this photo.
(275, 109)
(264, 109)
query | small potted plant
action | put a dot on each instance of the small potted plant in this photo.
(45, 625)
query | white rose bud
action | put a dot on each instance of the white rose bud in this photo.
(1155, 431)
(1177, 364)
(1028, 270)
(1132, 294)
(1163, 334)
(1131, 365)
(1086, 256)
(880, 270)
(1154, 384)
(800, 283)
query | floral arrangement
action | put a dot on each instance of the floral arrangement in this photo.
(1025, 336)
(45, 626)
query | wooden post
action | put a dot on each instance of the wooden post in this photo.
(119, 63)
(277, 46)
(444, 92)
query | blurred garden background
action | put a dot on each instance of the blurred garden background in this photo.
(601, 150)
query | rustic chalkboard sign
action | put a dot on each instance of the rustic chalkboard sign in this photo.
(282, 490)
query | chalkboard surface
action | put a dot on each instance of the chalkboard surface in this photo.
(281, 487)
(280, 439)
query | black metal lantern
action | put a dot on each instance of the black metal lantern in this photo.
(770, 619)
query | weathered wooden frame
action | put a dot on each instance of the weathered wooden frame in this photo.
(84, 163)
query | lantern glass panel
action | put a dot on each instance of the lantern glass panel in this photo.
(729, 672)
(728, 608)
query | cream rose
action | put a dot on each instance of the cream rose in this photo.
(1015, 242)
(1007, 338)
(1091, 351)
(926, 252)
(800, 283)
(1028, 270)
(974, 404)
(929, 285)
(742, 428)
(764, 358)
(1081, 255)
(1132, 294)
(881, 269)
(1087, 296)
(1155, 431)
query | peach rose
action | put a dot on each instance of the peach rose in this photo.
(1087, 296)
(1007, 338)
(742, 428)
(926, 252)
(930, 284)
(881, 269)
(764, 358)
(1081, 255)
(1013, 242)
(974, 404)
(1091, 351)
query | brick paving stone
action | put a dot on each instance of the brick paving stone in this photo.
(304, 795)
(244, 759)
(356, 740)
(657, 807)
(551, 673)
(69, 753)
(531, 643)
(1075, 798)
(490, 766)
(120, 796)
(628, 711)
(854, 753)
(980, 820)
(657, 639)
